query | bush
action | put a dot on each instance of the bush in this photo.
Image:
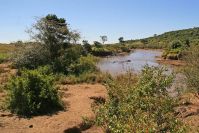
(101, 52)
(173, 54)
(175, 44)
(97, 44)
(31, 56)
(84, 64)
(68, 57)
(139, 104)
(125, 49)
(33, 93)
(191, 70)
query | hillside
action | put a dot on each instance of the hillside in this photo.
(163, 40)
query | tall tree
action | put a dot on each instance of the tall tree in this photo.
(121, 39)
(104, 39)
(52, 32)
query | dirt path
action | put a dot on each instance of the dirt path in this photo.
(77, 99)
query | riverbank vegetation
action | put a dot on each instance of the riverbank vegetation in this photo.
(164, 40)
(174, 42)
(139, 103)
(192, 68)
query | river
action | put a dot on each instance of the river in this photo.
(134, 62)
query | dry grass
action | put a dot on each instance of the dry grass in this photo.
(5, 51)
(5, 48)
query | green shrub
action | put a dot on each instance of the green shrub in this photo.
(173, 54)
(97, 44)
(175, 44)
(84, 64)
(139, 104)
(68, 57)
(101, 51)
(191, 70)
(33, 93)
(125, 49)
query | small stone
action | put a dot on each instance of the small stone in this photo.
(31, 126)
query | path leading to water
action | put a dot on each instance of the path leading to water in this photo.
(78, 102)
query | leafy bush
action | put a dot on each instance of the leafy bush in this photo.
(31, 56)
(174, 52)
(69, 56)
(192, 68)
(139, 104)
(33, 92)
(101, 51)
(84, 64)
(125, 49)
(176, 44)
(97, 44)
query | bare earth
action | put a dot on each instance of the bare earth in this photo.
(170, 62)
(188, 111)
(78, 102)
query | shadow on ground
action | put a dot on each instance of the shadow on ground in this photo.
(73, 130)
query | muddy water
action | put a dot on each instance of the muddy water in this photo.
(134, 62)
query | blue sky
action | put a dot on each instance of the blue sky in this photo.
(128, 18)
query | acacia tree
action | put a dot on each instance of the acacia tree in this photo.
(104, 39)
(52, 32)
(121, 39)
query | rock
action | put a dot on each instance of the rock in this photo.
(31, 126)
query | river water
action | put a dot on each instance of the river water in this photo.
(134, 62)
